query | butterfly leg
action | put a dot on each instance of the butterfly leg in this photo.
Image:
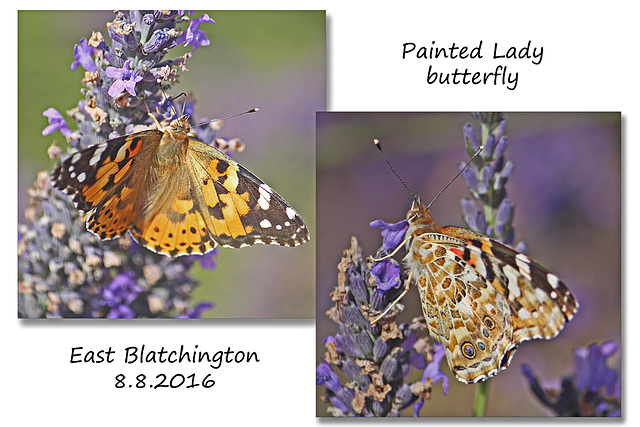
(392, 253)
(386, 310)
(155, 119)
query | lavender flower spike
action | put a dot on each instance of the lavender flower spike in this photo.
(65, 271)
(375, 359)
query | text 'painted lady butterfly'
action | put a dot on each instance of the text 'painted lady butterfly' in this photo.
(177, 195)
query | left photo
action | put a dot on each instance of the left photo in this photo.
(166, 163)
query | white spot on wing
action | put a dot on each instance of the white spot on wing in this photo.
(290, 212)
(523, 313)
(542, 296)
(553, 280)
(265, 196)
(82, 177)
(512, 276)
(523, 264)
(97, 155)
(265, 223)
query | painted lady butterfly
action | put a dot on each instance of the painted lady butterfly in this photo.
(178, 196)
(481, 298)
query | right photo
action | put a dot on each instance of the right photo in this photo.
(446, 242)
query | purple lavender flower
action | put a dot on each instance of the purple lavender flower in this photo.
(119, 295)
(326, 376)
(592, 372)
(392, 234)
(158, 40)
(208, 260)
(194, 36)
(339, 396)
(418, 361)
(387, 273)
(196, 312)
(433, 368)
(83, 54)
(126, 79)
(56, 122)
(594, 389)
(432, 374)
(123, 31)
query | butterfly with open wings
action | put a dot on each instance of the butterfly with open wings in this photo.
(177, 195)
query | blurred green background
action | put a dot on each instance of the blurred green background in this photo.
(566, 187)
(273, 60)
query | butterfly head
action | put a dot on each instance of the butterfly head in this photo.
(180, 128)
(419, 219)
(417, 211)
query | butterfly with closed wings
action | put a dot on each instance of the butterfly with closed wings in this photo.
(480, 298)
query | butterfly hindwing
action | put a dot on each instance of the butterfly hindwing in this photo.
(470, 317)
(178, 227)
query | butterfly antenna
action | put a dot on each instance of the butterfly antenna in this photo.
(184, 104)
(253, 110)
(377, 143)
(457, 175)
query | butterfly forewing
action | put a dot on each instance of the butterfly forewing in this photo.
(108, 181)
(244, 209)
(540, 301)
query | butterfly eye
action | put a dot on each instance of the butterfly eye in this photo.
(488, 321)
(468, 350)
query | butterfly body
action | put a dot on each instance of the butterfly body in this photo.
(481, 298)
(177, 195)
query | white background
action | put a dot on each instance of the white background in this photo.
(589, 64)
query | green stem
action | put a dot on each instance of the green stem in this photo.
(482, 399)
